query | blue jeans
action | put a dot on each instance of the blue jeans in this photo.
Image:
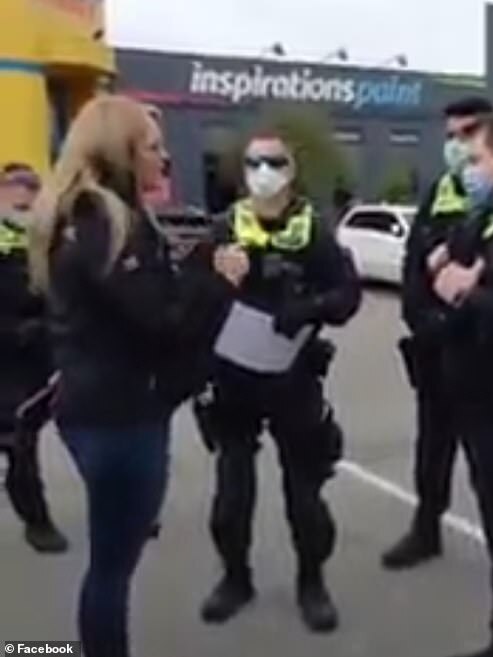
(125, 473)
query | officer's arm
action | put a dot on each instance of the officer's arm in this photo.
(339, 291)
(415, 291)
(480, 302)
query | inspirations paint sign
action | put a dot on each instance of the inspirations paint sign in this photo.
(306, 84)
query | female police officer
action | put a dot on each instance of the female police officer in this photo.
(299, 279)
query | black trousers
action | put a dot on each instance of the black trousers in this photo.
(20, 427)
(436, 450)
(476, 425)
(23, 481)
(294, 414)
(438, 439)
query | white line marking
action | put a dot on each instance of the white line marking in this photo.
(457, 523)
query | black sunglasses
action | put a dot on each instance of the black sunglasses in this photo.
(272, 161)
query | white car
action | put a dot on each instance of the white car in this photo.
(376, 235)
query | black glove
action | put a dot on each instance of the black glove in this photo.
(319, 355)
(294, 315)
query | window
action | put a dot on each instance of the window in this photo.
(404, 137)
(348, 135)
(380, 222)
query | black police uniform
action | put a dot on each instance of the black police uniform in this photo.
(26, 368)
(467, 358)
(437, 435)
(309, 284)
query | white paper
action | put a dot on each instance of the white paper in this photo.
(248, 339)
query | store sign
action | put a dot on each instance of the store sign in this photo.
(306, 84)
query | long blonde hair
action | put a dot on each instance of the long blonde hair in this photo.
(102, 140)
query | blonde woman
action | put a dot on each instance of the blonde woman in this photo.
(117, 311)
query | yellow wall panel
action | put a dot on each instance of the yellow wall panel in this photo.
(24, 120)
(42, 41)
(68, 36)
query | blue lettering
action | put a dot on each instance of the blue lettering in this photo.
(382, 94)
(412, 94)
(363, 95)
(392, 93)
(393, 88)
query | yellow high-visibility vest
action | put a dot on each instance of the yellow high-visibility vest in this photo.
(449, 202)
(295, 236)
(12, 239)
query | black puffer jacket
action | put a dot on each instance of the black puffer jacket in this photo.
(117, 335)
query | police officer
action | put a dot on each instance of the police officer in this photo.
(26, 365)
(466, 289)
(266, 375)
(424, 314)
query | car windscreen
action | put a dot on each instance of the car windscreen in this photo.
(374, 220)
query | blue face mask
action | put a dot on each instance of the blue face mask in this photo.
(477, 185)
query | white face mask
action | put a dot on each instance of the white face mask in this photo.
(456, 155)
(265, 182)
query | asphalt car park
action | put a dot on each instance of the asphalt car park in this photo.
(433, 612)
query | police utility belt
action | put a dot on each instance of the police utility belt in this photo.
(247, 338)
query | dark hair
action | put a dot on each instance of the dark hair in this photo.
(19, 174)
(468, 106)
(271, 134)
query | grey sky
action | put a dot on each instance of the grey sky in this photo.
(441, 35)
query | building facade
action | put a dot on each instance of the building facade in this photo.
(52, 54)
(384, 120)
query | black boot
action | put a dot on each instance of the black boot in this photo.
(487, 652)
(317, 608)
(46, 538)
(422, 543)
(229, 597)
